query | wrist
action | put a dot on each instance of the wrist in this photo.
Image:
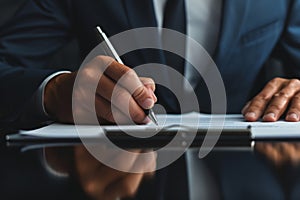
(58, 97)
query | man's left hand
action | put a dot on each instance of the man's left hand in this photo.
(278, 96)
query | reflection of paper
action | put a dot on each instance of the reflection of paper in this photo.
(189, 120)
(63, 131)
(292, 132)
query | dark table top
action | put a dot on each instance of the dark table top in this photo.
(267, 171)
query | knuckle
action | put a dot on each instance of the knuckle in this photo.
(129, 74)
(119, 95)
(86, 73)
(271, 85)
(276, 80)
(282, 94)
(103, 58)
(100, 57)
(275, 107)
(254, 107)
(294, 82)
(150, 81)
(102, 62)
(139, 93)
(147, 81)
(294, 110)
(263, 97)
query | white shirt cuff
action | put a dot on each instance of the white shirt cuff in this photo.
(40, 93)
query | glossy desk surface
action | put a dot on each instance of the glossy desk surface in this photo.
(266, 171)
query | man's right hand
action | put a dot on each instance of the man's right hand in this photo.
(131, 94)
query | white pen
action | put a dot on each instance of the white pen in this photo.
(148, 112)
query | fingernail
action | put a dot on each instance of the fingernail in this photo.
(148, 103)
(269, 115)
(250, 115)
(293, 116)
(146, 121)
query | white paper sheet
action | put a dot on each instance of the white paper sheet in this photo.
(189, 120)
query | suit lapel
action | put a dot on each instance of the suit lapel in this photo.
(234, 12)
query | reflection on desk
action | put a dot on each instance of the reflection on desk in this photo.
(97, 180)
(270, 171)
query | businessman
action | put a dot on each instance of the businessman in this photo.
(245, 38)
(248, 35)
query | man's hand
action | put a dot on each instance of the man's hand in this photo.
(115, 92)
(279, 96)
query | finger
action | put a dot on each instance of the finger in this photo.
(120, 98)
(281, 100)
(276, 107)
(293, 114)
(245, 107)
(259, 102)
(150, 85)
(128, 79)
(109, 113)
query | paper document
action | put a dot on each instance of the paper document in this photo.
(190, 120)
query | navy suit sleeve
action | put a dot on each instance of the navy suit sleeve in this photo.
(287, 52)
(27, 43)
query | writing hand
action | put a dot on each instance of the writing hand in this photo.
(131, 94)
(277, 97)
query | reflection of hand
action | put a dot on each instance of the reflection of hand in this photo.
(132, 94)
(278, 96)
(280, 153)
(102, 182)
(98, 180)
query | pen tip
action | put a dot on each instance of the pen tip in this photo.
(152, 117)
